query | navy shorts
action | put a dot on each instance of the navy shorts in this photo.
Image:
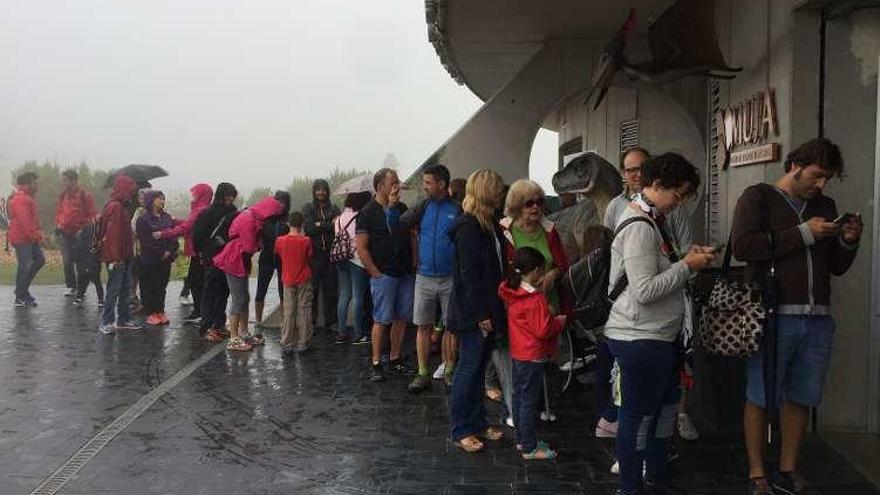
(803, 355)
(392, 298)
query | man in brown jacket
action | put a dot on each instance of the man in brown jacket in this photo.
(792, 224)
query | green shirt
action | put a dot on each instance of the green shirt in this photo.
(538, 241)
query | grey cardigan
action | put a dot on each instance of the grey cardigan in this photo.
(652, 305)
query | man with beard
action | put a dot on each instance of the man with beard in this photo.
(794, 228)
(319, 215)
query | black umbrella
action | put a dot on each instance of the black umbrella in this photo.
(140, 174)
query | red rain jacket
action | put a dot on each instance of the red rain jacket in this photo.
(24, 223)
(531, 329)
(75, 209)
(117, 243)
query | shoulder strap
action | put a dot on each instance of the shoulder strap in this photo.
(623, 281)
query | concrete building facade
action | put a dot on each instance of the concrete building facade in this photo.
(817, 60)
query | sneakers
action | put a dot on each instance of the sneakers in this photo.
(77, 302)
(686, 428)
(238, 345)
(106, 329)
(440, 371)
(163, 319)
(759, 486)
(615, 468)
(606, 429)
(376, 374)
(448, 376)
(401, 367)
(363, 339)
(100, 303)
(193, 318)
(186, 300)
(154, 320)
(509, 422)
(419, 384)
(128, 325)
(788, 484)
(341, 338)
(70, 293)
(548, 417)
(19, 304)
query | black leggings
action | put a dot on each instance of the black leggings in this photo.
(214, 295)
(154, 281)
(195, 279)
(265, 270)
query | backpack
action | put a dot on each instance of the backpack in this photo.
(340, 248)
(588, 281)
(220, 235)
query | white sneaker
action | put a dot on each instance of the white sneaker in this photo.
(438, 374)
(686, 428)
(186, 301)
(615, 468)
(509, 422)
(548, 417)
(106, 329)
(70, 293)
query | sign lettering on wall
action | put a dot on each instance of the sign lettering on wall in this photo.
(744, 129)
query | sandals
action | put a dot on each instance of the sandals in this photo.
(492, 434)
(494, 394)
(541, 444)
(470, 444)
(759, 486)
(255, 339)
(541, 453)
(213, 336)
(238, 345)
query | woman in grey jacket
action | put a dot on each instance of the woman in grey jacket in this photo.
(646, 318)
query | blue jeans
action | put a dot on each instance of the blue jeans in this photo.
(353, 282)
(467, 413)
(803, 353)
(649, 389)
(528, 385)
(30, 261)
(118, 290)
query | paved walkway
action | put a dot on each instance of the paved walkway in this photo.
(260, 423)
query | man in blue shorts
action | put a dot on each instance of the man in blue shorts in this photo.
(383, 245)
(792, 224)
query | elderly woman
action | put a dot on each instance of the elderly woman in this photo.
(646, 319)
(526, 226)
(478, 270)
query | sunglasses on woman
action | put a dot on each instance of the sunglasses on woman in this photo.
(534, 202)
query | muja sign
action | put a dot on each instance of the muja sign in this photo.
(743, 132)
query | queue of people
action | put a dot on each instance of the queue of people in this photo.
(483, 266)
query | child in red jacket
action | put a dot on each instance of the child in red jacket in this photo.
(532, 331)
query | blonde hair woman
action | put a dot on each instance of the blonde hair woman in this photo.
(478, 270)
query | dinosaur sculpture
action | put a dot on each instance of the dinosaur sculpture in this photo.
(682, 40)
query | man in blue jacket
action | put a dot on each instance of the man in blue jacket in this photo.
(429, 223)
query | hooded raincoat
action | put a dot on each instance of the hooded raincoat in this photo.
(202, 194)
(154, 251)
(117, 241)
(244, 237)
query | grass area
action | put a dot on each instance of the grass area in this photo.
(53, 272)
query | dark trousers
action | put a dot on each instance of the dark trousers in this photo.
(602, 403)
(118, 287)
(265, 271)
(528, 388)
(648, 410)
(195, 278)
(215, 292)
(69, 260)
(324, 282)
(30, 260)
(88, 271)
(154, 282)
(467, 412)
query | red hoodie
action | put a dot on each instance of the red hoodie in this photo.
(531, 328)
(118, 243)
(24, 223)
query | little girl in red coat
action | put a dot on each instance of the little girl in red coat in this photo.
(532, 331)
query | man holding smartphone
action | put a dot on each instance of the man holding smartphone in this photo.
(792, 224)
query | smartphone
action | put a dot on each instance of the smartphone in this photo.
(844, 218)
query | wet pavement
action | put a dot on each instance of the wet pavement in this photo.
(261, 423)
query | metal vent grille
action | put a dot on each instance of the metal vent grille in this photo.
(715, 227)
(629, 135)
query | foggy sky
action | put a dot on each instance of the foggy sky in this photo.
(254, 92)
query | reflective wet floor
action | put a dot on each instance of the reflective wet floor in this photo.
(261, 423)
